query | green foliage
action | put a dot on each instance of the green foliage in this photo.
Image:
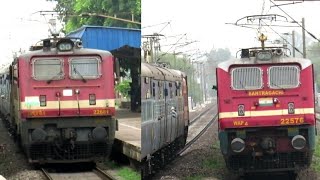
(111, 164)
(316, 158)
(124, 88)
(183, 64)
(215, 56)
(314, 55)
(72, 13)
(129, 174)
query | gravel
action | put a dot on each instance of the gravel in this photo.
(203, 160)
(13, 162)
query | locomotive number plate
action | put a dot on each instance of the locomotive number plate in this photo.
(37, 113)
(100, 111)
(288, 121)
(240, 123)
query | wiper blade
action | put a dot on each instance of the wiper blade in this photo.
(243, 87)
(277, 86)
(77, 72)
(54, 77)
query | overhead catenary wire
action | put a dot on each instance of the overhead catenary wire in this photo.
(171, 47)
(154, 25)
(313, 36)
(283, 38)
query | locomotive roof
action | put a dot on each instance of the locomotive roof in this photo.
(54, 51)
(161, 73)
(251, 61)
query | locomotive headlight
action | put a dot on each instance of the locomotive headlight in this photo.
(298, 142)
(92, 99)
(237, 145)
(276, 101)
(291, 108)
(65, 45)
(77, 91)
(38, 134)
(264, 55)
(99, 133)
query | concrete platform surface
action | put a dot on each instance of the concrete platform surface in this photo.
(128, 136)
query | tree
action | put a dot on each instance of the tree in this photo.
(215, 56)
(183, 64)
(123, 87)
(75, 13)
(314, 55)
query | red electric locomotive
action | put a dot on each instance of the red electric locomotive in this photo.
(59, 100)
(266, 104)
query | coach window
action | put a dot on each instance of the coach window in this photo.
(41, 66)
(85, 68)
(154, 89)
(171, 90)
(160, 89)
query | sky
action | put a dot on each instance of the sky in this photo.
(204, 22)
(22, 25)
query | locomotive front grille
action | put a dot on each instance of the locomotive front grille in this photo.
(80, 151)
(278, 161)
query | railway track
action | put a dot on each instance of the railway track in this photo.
(95, 174)
(201, 114)
(199, 134)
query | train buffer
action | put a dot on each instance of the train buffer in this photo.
(128, 137)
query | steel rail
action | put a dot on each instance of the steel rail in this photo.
(199, 135)
(201, 114)
(102, 174)
(46, 174)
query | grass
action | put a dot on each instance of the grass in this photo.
(129, 174)
(111, 164)
(212, 163)
(123, 172)
(316, 158)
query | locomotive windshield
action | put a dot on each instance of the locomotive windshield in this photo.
(246, 78)
(85, 68)
(41, 66)
(282, 77)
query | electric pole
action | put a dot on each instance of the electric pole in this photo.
(293, 45)
(304, 39)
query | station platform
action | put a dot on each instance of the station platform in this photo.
(128, 137)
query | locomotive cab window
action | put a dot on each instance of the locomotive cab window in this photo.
(246, 78)
(41, 66)
(284, 77)
(85, 68)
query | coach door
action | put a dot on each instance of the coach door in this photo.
(158, 110)
(147, 117)
(170, 102)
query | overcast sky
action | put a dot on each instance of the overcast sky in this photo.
(22, 25)
(205, 21)
(201, 20)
